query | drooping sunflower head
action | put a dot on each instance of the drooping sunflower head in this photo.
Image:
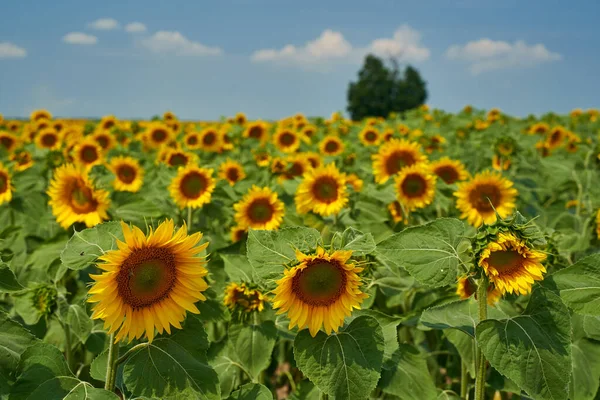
(331, 145)
(369, 136)
(48, 139)
(8, 141)
(511, 265)
(192, 187)
(500, 163)
(211, 140)
(257, 130)
(38, 115)
(486, 194)
(238, 233)
(232, 172)
(5, 185)
(241, 298)
(322, 191)
(88, 153)
(22, 160)
(320, 291)
(448, 170)
(396, 211)
(393, 156)
(150, 282)
(74, 198)
(286, 140)
(466, 288)
(129, 175)
(158, 134)
(260, 208)
(415, 187)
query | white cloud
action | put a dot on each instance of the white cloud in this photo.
(487, 55)
(176, 43)
(104, 24)
(80, 38)
(135, 27)
(331, 47)
(10, 50)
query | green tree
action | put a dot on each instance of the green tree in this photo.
(381, 90)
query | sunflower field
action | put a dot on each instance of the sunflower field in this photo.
(424, 256)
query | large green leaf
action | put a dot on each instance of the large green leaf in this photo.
(76, 318)
(269, 251)
(68, 388)
(345, 365)
(428, 252)
(14, 340)
(8, 280)
(221, 357)
(533, 349)
(253, 345)
(237, 267)
(353, 239)
(389, 326)
(579, 285)
(465, 346)
(406, 375)
(586, 370)
(86, 246)
(174, 367)
(252, 391)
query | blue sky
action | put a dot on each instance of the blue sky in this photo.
(205, 59)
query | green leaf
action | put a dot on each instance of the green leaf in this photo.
(533, 349)
(353, 239)
(465, 346)
(76, 318)
(14, 340)
(85, 391)
(237, 267)
(579, 285)
(428, 252)
(220, 358)
(8, 280)
(389, 326)
(345, 365)
(86, 246)
(586, 370)
(138, 211)
(406, 375)
(174, 367)
(98, 366)
(269, 251)
(252, 391)
(253, 345)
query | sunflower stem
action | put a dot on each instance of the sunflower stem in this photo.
(482, 306)
(111, 365)
(189, 218)
(464, 380)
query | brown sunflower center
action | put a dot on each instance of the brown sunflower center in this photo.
(178, 159)
(370, 136)
(505, 261)
(297, 169)
(481, 196)
(126, 173)
(3, 182)
(82, 198)
(555, 137)
(49, 140)
(6, 141)
(321, 283)
(414, 185)
(108, 124)
(398, 160)
(159, 135)
(192, 140)
(23, 158)
(255, 132)
(193, 185)
(147, 276)
(287, 139)
(331, 146)
(309, 132)
(89, 154)
(260, 211)
(233, 174)
(209, 138)
(325, 189)
(103, 141)
(448, 173)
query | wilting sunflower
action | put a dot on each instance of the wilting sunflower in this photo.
(150, 282)
(87, 153)
(257, 130)
(415, 187)
(369, 136)
(211, 140)
(8, 140)
(465, 288)
(192, 187)
(38, 115)
(396, 211)
(105, 139)
(321, 290)
(5, 185)
(48, 139)
(260, 208)
(286, 140)
(486, 191)
(238, 233)
(158, 134)
(240, 297)
(22, 160)
(511, 265)
(192, 140)
(331, 146)
(449, 170)
(322, 191)
(231, 171)
(73, 198)
(393, 156)
(129, 175)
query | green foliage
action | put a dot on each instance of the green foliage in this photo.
(579, 285)
(84, 247)
(252, 391)
(406, 375)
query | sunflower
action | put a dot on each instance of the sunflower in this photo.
(555, 137)
(158, 134)
(231, 171)
(278, 165)
(238, 233)
(88, 153)
(5, 185)
(396, 211)
(369, 136)
(538, 128)
(500, 164)
(107, 123)
(176, 157)
(192, 140)
(22, 160)
(313, 158)
(129, 175)
(466, 288)
(263, 159)
(308, 131)
(240, 297)
(13, 126)
(149, 282)
(59, 125)
(8, 140)
(511, 265)
(257, 130)
(331, 146)
(48, 139)
(321, 290)
(105, 139)
(73, 198)
(38, 115)
(387, 135)
(240, 118)
(322, 191)
(175, 125)
(484, 193)
(169, 116)
(354, 181)
(598, 224)
(415, 187)
(210, 140)
(296, 165)
(286, 140)
(260, 208)
(449, 170)
(192, 187)
(393, 156)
